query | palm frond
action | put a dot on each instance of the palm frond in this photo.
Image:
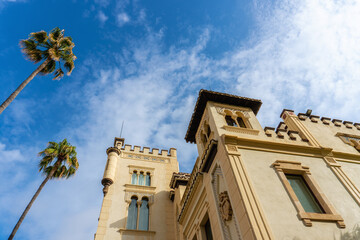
(66, 42)
(34, 55)
(49, 68)
(58, 74)
(69, 65)
(54, 54)
(55, 34)
(28, 44)
(40, 37)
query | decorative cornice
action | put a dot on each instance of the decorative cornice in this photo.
(179, 178)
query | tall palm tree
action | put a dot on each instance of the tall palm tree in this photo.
(51, 48)
(63, 157)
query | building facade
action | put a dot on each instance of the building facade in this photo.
(298, 181)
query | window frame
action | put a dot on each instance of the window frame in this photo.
(149, 200)
(144, 171)
(295, 168)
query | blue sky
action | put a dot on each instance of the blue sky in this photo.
(143, 62)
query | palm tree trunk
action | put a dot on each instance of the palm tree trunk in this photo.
(56, 165)
(22, 85)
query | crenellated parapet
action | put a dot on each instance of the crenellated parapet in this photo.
(338, 123)
(147, 151)
(283, 134)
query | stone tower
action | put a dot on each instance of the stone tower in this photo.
(136, 202)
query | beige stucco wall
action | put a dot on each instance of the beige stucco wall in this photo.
(278, 207)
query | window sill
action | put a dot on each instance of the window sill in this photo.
(135, 232)
(307, 217)
(241, 130)
(140, 187)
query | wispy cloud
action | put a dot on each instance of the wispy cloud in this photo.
(3, 3)
(10, 155)
(102, 17)
(122, 19)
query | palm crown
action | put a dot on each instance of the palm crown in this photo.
(65, 165)
(64, 155)
(54, 47)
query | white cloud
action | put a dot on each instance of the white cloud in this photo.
(7, 155)
(122, 19)
(102, 17)
(304, 55)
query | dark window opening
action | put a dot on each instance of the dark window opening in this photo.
(230, 121)
(241, 122)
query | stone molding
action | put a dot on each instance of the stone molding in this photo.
(139, 169)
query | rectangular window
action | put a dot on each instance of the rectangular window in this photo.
(309, 201)
(304, 194)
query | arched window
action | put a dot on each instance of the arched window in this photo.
(208, 131)
(230, 121)
(203, 139)
(147, 179)
(141, 178)
(134, 178)
(241, 122)
(144, 215)
(132, 214)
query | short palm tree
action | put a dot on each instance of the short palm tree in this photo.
(51, 48)
(63, 157)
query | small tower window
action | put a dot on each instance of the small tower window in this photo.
(132, 214)
(144, 215)
(230, 121)
(203, 139)
(141, 178)
(208, 131)
(134, 178)
(147, 179)
(241, 122)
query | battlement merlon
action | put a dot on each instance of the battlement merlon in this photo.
(148, 151)
(324, 120)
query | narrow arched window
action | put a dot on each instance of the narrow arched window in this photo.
(230, 121)
(132, 214)
(144, 215)
(203, 139)
(241, 122)
(134, 178)
(141, 178)
(208, 131)
(147, 179)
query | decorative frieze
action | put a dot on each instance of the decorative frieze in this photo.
(222, 111)
(145, 157)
